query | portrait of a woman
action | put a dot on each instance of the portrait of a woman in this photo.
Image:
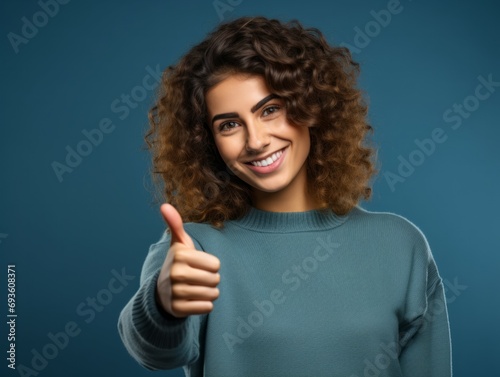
(269, 266)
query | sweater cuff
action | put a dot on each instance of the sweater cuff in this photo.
(158, 327)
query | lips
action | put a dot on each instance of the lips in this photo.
(265, 157)
(271, 167)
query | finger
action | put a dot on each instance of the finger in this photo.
(188, 275)
(200, 260)
(174, 222)
(186, 307)
(194, 292)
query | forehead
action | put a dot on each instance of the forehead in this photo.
(236, 92)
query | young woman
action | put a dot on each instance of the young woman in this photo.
(269, 266)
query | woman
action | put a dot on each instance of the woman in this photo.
(258, 135)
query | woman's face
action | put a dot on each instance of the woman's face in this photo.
(248, 124)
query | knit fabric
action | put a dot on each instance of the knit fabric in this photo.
(301, 294)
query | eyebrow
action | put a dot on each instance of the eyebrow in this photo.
(261, 103)
(254, 108)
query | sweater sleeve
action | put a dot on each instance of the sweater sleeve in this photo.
(153, 337)
(425, 333)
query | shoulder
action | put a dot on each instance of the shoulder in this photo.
(197, 231)
(389, 224)
(399, 239)
(203, 234)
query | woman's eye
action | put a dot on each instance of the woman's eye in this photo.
(270, 110)
(223, 125)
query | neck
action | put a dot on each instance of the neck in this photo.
(296, 197)
(289, 222)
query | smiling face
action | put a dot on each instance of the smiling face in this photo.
(249, 123)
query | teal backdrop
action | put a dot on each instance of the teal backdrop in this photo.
(77, 217)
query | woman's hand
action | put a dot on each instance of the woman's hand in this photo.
(188, 280)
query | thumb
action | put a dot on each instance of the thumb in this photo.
(174, 222)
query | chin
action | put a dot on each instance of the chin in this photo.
(265, 184)
(271, 187)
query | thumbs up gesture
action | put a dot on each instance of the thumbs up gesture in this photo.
(188, 280)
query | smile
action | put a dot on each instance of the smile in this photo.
(269, 160)
(270, 164)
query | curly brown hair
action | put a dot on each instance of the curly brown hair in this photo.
(318, 85)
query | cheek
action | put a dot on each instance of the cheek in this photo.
(226, 150)
(302, 139)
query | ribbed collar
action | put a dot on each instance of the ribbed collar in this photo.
(289, 222)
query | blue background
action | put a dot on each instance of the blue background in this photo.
(65, 237)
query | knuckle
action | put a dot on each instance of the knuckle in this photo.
(177, 274)
(178, 255)
(177, 307)
(177, 291)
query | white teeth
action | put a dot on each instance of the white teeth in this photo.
(269, 160)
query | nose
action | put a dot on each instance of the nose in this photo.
(257, 136)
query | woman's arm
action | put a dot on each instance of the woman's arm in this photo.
(156, 339)
(425, 338)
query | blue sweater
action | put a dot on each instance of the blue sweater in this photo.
(301, 294)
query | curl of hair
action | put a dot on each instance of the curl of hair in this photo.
(318, 85)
